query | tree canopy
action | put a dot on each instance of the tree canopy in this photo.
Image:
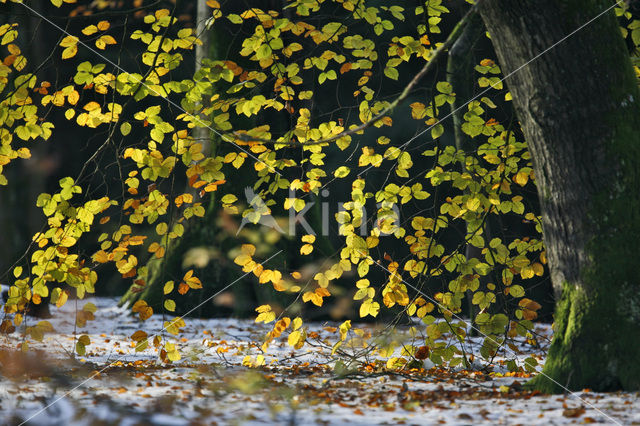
(320, 149)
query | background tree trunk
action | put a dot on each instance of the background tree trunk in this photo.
(200, 233)
(583, 130)
(462, 77)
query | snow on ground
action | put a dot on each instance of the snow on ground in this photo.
(114, 384)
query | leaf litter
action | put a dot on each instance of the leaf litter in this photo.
(223, 377)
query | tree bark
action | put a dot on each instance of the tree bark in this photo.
(200, 233)
(462, 77)
(578, 107)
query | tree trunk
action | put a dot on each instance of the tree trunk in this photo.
(578, 107)
(461, 76)
(200, 233)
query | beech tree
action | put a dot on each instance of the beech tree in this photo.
(318, 80)
(576, 95)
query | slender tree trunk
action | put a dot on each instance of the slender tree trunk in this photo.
(578, 106)
(200, 233)
(202, 134)
(461, 76)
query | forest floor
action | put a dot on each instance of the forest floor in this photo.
(211, 383)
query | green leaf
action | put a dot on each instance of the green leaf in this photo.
(392, 73)
(444, 87)
(234, 19)
(437, 131)
(516, 291)
(125, 128)
(229, 199)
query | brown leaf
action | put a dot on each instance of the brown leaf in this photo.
(573, 412)
(422, 353)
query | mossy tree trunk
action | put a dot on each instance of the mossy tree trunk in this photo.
(578, 106)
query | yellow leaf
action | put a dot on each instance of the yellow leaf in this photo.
(73, 97)
(294, 337)
(172, 353)
(265, 276)
(297, 323)
(341, 172)
(266, 317)
(170, 305)
(361, 293)
(322, 292)
(492, 158)
(322, 279)
(521, 178)
(69, 52)
(248, 249)
(69, 41)
(309, 239)
(263, 308)
(311, 296)
(369, 307)
(145, 311)
(276, 276)
(473, 204)
(139, 335)
(242, 259)
(296, 203)
(14, 49)
(62, 299)
(520, 261)
(344, 329)
(527, 272)
(161, 228)
(100, 257)
(92, 106)
(538, 269)
(91, 29)
(194, 282)
(104, 40)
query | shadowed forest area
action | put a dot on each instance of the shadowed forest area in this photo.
(319, 211)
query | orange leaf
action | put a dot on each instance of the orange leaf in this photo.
(322, 292)
(103, 25)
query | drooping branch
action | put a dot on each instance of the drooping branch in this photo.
(437, 54)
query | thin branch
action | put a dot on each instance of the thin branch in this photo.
(437, 54)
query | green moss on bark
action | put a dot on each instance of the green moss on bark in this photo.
(597, 320)
(592, 347)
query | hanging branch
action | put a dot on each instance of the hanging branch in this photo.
(428, 66)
